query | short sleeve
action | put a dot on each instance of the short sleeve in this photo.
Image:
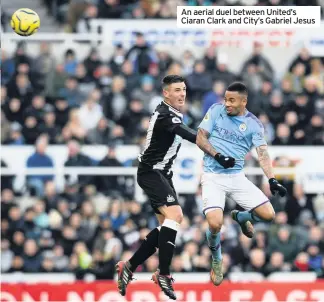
(258, 138)
(170, 122)
(208, 121)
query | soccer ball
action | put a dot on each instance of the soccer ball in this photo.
(25, 22)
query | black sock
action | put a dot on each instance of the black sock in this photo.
(167, 239)
(146, 250)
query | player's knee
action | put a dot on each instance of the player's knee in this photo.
(270, 215)
(267, 215)
(215, 226)
(176, 215)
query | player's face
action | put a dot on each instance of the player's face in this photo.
(175, 95)
(235, 103)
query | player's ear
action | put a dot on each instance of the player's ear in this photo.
(165, 92)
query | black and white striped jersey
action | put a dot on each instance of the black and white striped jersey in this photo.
(162, 144)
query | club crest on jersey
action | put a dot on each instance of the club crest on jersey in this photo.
(176, 120)
(242, 127)
(170, 198)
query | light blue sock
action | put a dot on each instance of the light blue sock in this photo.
(214, 244)
(248, 216)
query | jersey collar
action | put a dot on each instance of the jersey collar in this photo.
(171, 108)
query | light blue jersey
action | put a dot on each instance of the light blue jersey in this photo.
(232, 136)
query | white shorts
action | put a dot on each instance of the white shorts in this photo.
(217, 187)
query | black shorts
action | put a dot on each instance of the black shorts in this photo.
(157, 186)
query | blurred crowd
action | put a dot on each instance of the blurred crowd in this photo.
(91, 100)
(95, 221)
(69, 12)
(71, 231)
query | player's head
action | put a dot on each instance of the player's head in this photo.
(235, 99)
(174, 91)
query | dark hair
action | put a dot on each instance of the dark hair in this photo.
(170, 79)
(239, 87)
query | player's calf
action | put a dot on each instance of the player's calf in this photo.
(215, 221)
(246, 219)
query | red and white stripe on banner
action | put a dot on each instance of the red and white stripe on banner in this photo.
(145, 292)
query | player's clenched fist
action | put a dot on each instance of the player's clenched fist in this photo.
(225, 161)
(275, 186)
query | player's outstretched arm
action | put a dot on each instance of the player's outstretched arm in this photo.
(186, 133)
(203, 143)
(266, 165)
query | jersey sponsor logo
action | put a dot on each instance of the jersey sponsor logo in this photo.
(242, 127)
(170, 198)
(228, 135)
(176, 120)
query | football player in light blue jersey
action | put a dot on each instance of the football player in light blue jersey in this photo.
(226, 134)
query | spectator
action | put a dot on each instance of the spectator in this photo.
(6, 255)
(262, 65)
(18, 240)
(296, 78)
(187, 62)
(210, 59)
(92, 62)
(132, 117)
(276, 109)
(117, 59)
(110, 9)
(5, 128)
(146, 92)
(101, 134)
(141, 54)
(132, 80)
(84, 23)
(284, 242)
(21, 89)
(90, 114)
(109, 184)
(77, 159)
(62, 112)
(71, 92)
(115, 214)
(15, 135)
(303, 58)
(276, 264)
(36, 108)
(39, 160)
(6, 181)
(7, 67)
(49, 126)
(50, 197)
(55, 81)
(7, 201)
(214, 96)
(199, 81)
(268, 128)
(257, 260)
(73, 128)
(32, 257)
(221, 73)
(43, 64)
(17, 265)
